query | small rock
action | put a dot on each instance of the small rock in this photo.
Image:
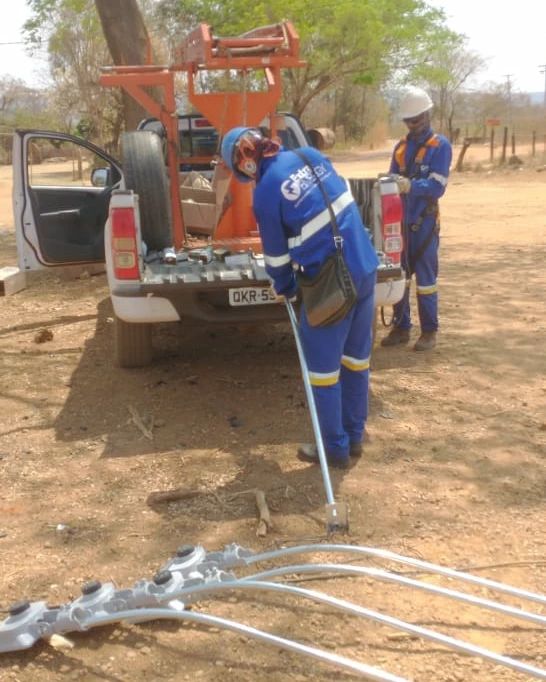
(43, 335)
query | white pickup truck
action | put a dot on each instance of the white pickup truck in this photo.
(74, 204)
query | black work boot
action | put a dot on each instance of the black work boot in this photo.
(396, 337)
(308, 452)
(426, 341)
(356, 448)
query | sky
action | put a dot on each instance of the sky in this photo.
(510, 38)
(13, 59)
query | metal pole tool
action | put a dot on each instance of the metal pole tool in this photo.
(337, 514)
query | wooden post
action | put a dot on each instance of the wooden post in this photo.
(466, 144)
(513, 143)
(504, 145)
(534, 144)
(491, 145)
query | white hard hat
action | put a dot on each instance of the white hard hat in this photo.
(414, 101)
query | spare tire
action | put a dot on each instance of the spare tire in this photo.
(146, 174)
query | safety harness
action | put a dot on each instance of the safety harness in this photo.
(432, 207)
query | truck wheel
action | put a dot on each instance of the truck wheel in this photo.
(133, 344)
(146, 174)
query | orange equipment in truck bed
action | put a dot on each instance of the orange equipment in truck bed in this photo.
(267, 49)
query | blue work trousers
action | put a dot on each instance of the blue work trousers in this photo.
(426, 274)
(338, 360)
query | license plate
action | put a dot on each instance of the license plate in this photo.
(251, 296)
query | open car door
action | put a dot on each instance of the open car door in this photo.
(61, 193)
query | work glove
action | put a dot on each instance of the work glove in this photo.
(404, 184)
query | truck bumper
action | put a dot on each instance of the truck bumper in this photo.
(143, 305)
(142, 309)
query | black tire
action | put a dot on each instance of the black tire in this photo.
(133, 344)
(146, 174)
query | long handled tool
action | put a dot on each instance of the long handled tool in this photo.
(337, 515)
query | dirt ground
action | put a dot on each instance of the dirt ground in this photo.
(455, 472)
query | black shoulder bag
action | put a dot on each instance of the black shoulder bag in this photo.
(331, 293)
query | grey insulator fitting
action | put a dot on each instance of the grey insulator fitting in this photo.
(91, 587)
(162, 577)
(19, 607)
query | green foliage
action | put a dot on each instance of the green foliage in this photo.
(368, 41)
(77, 50)
(353, 46)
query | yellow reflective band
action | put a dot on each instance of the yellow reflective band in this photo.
(327, 379)
(277, 261)
(355, 364)
(424, 291)
(439, 178)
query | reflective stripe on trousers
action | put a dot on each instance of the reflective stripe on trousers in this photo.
(338, 359)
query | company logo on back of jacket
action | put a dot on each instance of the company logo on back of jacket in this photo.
(301, 181)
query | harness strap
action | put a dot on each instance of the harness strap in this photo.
(431, 209)
(400, 153)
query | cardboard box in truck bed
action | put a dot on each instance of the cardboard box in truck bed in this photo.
(202, 201)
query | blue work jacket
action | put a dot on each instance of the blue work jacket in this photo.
(426, 161)
(295, 224)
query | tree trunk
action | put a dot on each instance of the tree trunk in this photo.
(128, 42)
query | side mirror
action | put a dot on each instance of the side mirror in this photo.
(101, 177)
(322, 138)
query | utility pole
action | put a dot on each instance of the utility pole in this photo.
(542, 68)
(508, 76)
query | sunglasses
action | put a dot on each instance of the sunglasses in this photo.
(415, 119)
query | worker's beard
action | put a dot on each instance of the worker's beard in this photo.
(417, 130)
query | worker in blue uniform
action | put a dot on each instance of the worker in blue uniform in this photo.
(420, 163)
(296, 233)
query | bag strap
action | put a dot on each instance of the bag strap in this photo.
(338, 239)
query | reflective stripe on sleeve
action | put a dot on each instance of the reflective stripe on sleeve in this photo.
(324, 378)
(277, 261)
(423, 291)
(321, 220)
(355, 364)
(439, 178)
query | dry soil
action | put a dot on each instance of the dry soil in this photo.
(455, 471)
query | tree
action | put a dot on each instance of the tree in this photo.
(82, 36)
(369, 39)
(450, 68)
(129, 44)
(355, 46)
(77, 51)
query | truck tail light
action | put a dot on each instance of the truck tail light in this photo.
(391, 207)
(124, 243)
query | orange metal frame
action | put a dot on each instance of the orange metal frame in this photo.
(269, 48)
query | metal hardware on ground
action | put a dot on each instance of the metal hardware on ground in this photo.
(194, 574)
